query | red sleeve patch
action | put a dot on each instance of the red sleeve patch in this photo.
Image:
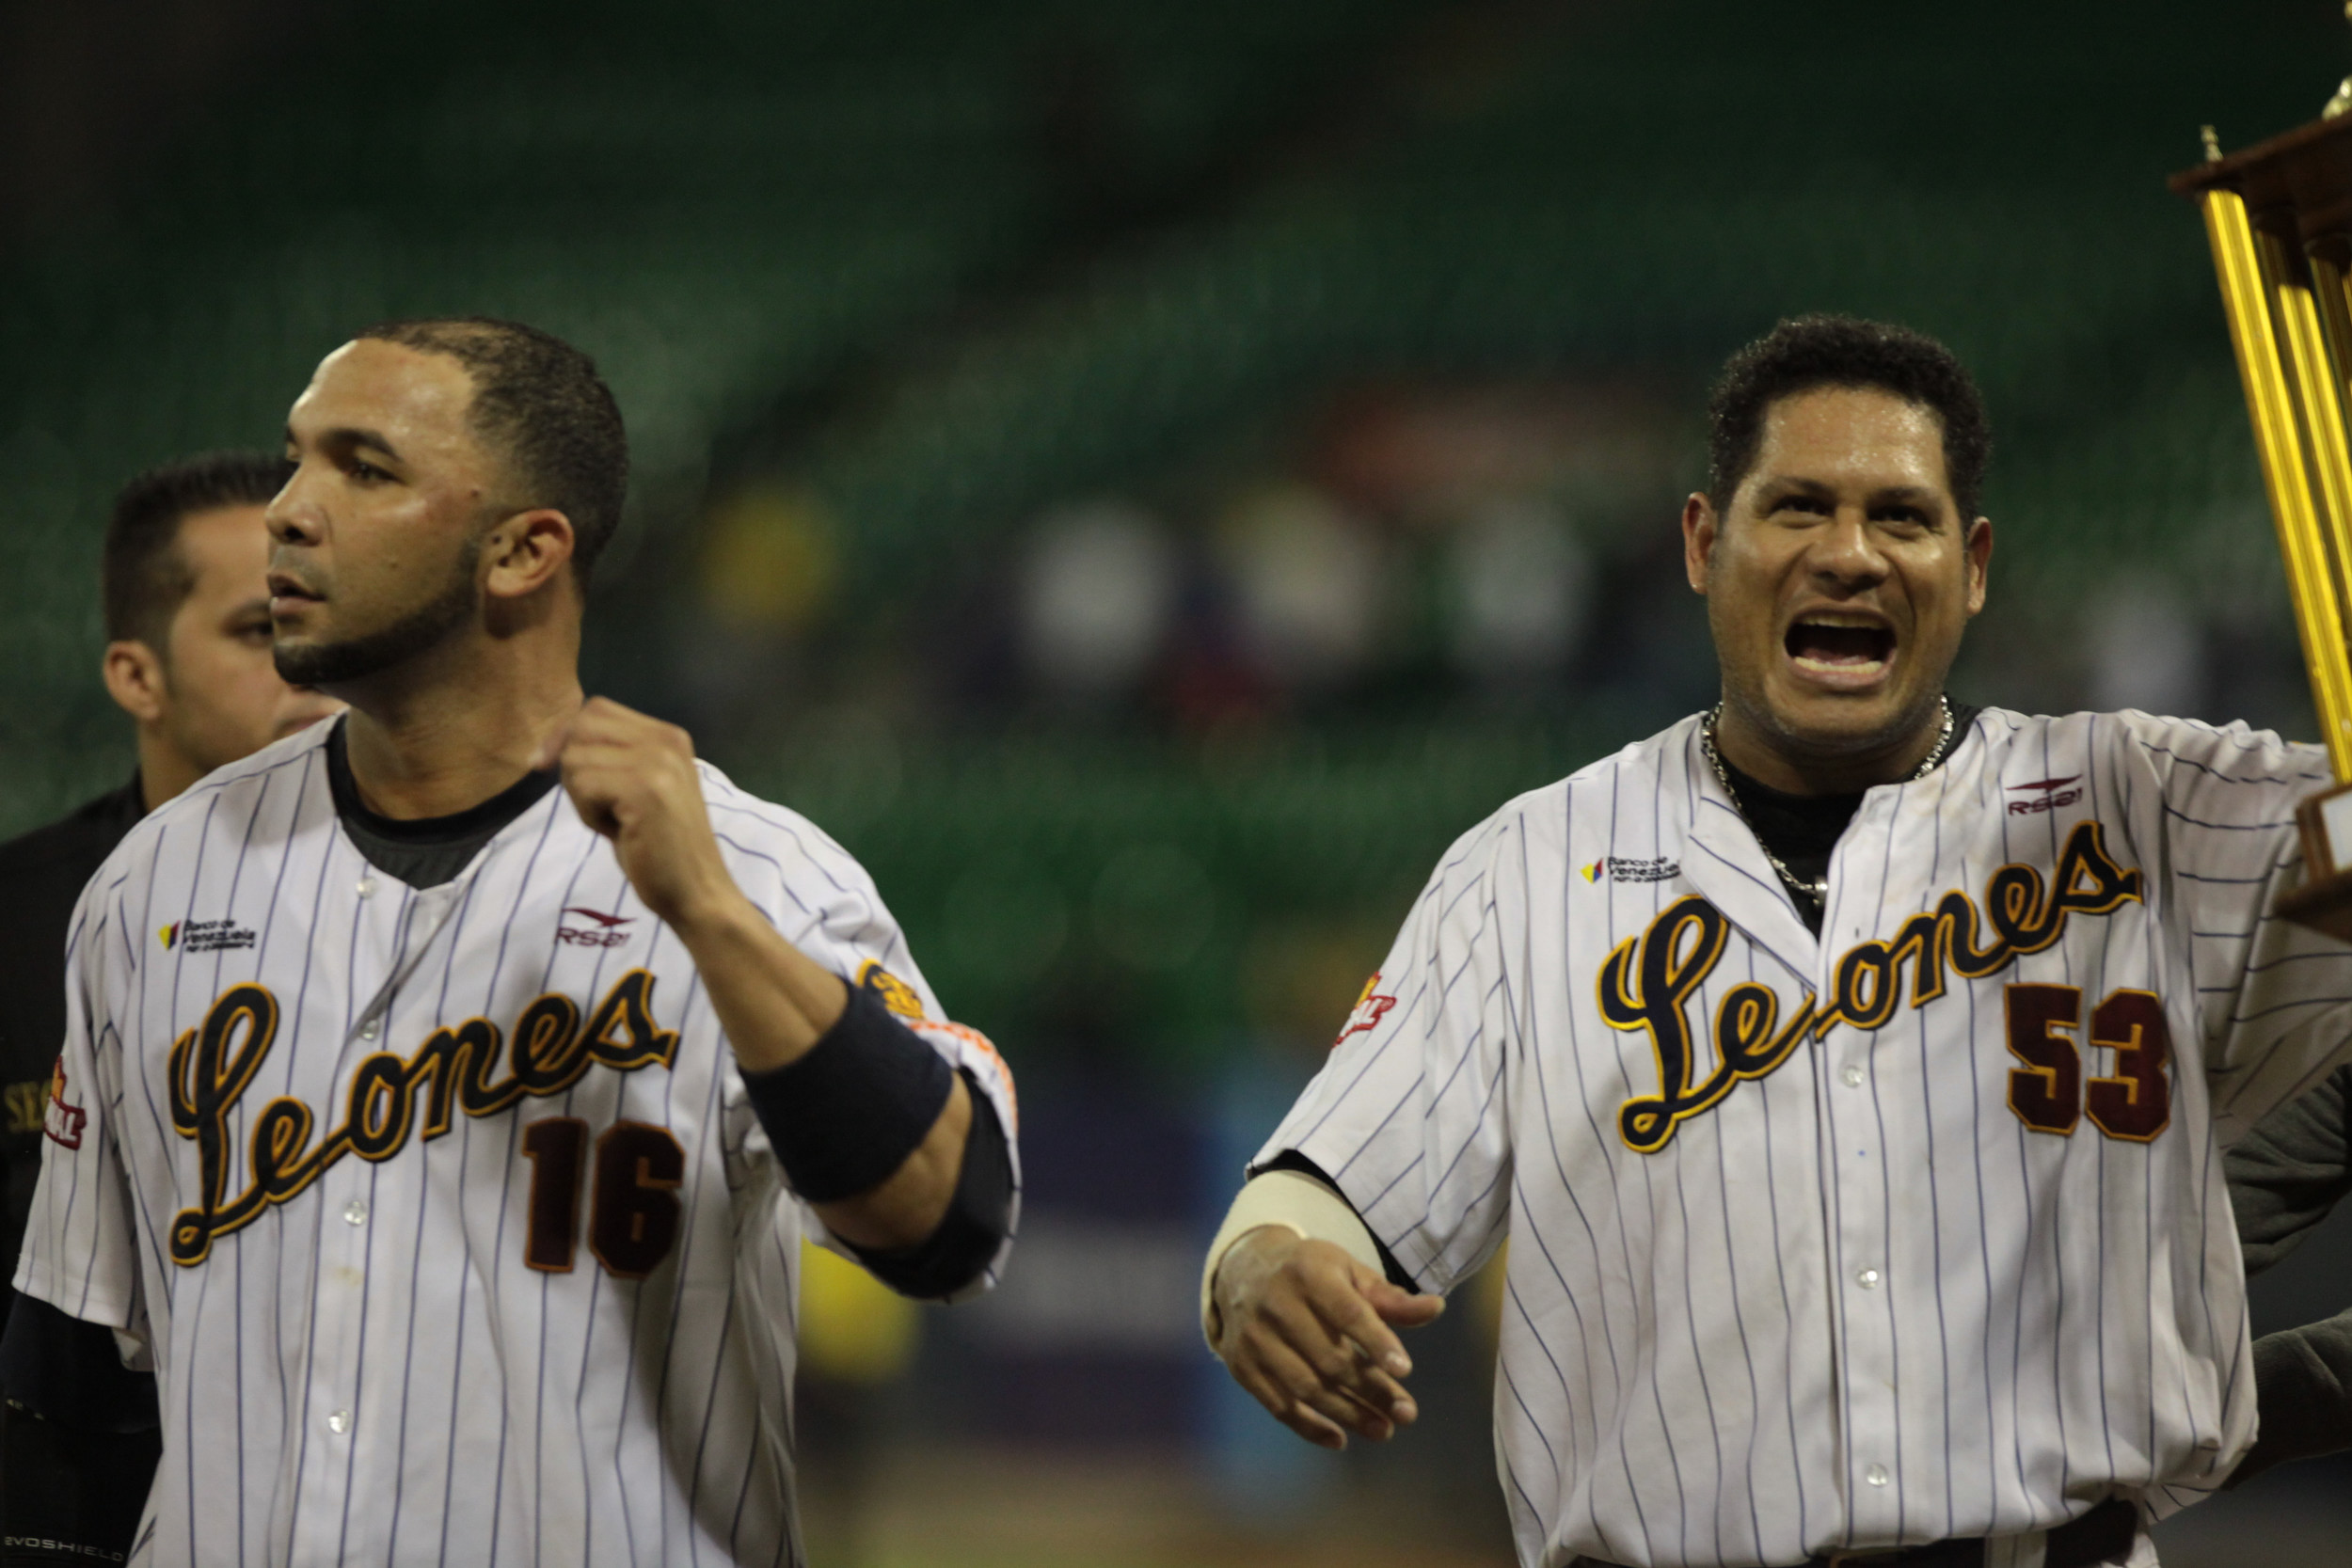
(66, 1121)
(1371, 1006)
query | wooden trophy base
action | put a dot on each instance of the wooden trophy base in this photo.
(2323, 902)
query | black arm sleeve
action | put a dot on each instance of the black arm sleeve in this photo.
(978, 1216)
(67, 1371)
(1290, 1158)
(2289, 1172)
(2303, 1389)
(845, 1115)
(2285, 1176)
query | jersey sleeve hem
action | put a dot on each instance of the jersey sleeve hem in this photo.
(73, 1296)
(1419, 1281)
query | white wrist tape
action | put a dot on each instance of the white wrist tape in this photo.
(1296, 1203)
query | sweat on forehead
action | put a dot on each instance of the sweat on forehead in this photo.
(1807, 353)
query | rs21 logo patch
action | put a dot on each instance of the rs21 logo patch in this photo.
(2044, 794)
(605, 931)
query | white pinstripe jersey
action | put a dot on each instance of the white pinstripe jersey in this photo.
(1911, 1232)
(444, 1211)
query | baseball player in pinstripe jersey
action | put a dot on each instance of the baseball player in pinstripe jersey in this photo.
(447, 1135)
(1848, 1069)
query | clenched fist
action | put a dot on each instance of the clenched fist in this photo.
(1311, 1333)
(633, 779)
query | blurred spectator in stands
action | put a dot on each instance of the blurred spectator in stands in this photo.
(1309, 581)
(2146, 648)
(1519, 583)
(1098, 589)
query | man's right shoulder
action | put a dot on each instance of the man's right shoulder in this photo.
(1635, 802)
(230, 788)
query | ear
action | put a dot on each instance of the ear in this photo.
(1979, 548)
(525, 552)
(1699, 527)
(135, 678)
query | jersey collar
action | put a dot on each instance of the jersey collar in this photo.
(1727, 865)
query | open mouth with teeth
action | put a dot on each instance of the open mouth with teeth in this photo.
(1831, 645)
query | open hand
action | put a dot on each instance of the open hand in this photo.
(1311, 1333)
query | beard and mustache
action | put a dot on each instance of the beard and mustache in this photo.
(419, 631)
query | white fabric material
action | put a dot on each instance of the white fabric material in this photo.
(1296, 1202)
(369, 1367)
(1848, 1296)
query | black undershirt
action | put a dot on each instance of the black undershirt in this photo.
(1804, 830)
(424, 852)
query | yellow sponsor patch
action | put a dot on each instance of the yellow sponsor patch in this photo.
(896, 993)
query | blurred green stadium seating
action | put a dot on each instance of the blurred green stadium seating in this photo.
(727, 204)
(1005, 865)
(717, 201)
(1575, 211)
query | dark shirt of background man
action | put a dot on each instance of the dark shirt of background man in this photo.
(2286, 1177)
(41, 873)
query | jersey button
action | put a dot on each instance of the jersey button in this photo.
(1867, 1279)
(338, 1422)
(355, 1212)
(1851, 1077)
(366, 888)
(1875, 1475)
(367, 1030)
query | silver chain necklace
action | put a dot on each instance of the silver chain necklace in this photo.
(1816, 890)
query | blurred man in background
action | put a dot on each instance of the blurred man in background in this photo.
(188, 658)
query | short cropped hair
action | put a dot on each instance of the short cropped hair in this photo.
(1805, 352)
(539, 404)
(143, 577)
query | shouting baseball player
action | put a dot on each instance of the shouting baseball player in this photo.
(1846, 1066)
(448, 1135)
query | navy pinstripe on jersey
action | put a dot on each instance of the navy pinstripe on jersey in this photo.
(1912, 1231)
(444, 1210)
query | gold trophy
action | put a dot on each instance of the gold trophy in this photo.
(2280, 217)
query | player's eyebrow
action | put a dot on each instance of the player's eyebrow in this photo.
(1779, 487)
(345, 437)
